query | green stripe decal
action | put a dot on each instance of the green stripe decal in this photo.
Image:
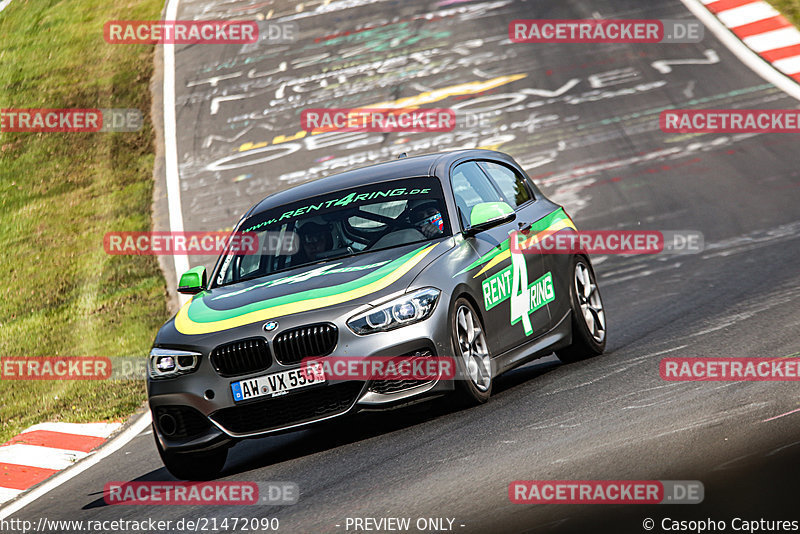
(200, 313)
(196, 317)
(538, 226)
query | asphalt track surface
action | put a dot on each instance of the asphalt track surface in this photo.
(581, 121)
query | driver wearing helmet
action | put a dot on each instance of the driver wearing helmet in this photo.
(427, 218)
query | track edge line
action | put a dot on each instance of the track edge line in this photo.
(745, 54)
(111, 446)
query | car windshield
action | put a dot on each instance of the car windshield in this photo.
(338, 224)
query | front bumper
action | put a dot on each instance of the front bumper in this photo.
(199, 413)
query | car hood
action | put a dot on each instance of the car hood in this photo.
(352, 280)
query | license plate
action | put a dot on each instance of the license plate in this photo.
(277, 384)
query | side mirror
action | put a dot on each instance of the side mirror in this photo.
(488, 215)
(193, 281)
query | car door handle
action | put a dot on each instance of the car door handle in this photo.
(524, 227)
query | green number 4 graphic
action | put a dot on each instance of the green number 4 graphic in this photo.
(526, 299)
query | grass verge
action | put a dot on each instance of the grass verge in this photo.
(61, 295)
(789, 8)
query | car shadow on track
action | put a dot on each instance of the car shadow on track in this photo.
(255, 454)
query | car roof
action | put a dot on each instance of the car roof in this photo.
(395, 169)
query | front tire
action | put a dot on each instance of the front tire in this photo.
(588, 314)
(193, 465)
(473, 361)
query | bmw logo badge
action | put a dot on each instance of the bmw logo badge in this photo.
(270, 326)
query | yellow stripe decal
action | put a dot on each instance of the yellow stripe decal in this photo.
(185, 325)
(555, 227)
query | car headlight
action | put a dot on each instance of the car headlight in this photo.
(169, 363)
(402, 311)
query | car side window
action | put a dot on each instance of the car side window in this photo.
(510, 182)
(471, 187)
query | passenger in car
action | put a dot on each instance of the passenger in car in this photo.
(315, 240)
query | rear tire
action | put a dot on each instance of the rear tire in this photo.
(471, 353)
(588, 314)
(205, 465)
